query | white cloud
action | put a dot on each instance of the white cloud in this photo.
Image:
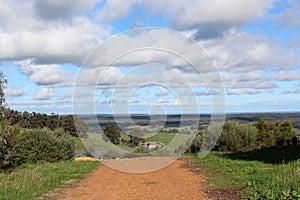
(161, 92)
(253, 91)
(53, 32)
(106, 93)
(102, 77)
(168, 102)
(209, 17)
(239, 51)
(285, 76)
(200, 93)
(150, 46)
(23, 34)
(45, 94)
(14, 92)
(50, 75)
(292, 90)
(114, 9)
(57, 9)
(77, 94)
(291, 16)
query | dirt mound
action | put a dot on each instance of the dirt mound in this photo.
(85, 159)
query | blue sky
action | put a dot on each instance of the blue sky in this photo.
(77, 56)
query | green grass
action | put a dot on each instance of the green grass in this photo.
(259, 179)
(33, 181)
(79, 145)
(165, 138)
(94, 141)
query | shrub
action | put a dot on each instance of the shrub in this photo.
(143, 150)
(275, 134)
(196, 144)
(236, 136)
(43, 145)
(8, 144)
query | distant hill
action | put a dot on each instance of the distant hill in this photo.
(187, 120)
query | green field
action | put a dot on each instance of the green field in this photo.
(262, 174)
(95, 141)
(31, 181)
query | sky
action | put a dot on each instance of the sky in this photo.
(142, 56)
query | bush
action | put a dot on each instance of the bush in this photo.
(275, 134)
(236, 136)
(8, 144)
(43, 145)
(196, 144)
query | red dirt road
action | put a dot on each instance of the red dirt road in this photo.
(172, 182)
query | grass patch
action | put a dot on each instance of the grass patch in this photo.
(79, 145)
(259, 180)
(165, 138)
(32, 181)
(94, 141)
(151, 182)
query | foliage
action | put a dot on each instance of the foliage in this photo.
(136, 137)
(3, 83)
(197, 142)
(112, 133)
(72, 124)
(8, 144)
(20, 146)
(33, 181)
(236, 136)
(144, 150)
(274, 133)
(44, 145)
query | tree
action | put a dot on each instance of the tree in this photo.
(275, 134)
(3, 83)
(136, 136)
(81, 127)
(265, 134)
(73, 125)
(112, 132)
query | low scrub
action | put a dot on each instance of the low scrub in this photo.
(43, 145)
(236, 136)
(20, 146)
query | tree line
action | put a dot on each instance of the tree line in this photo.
(71, 124)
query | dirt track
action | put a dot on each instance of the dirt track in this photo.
(173, 182)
